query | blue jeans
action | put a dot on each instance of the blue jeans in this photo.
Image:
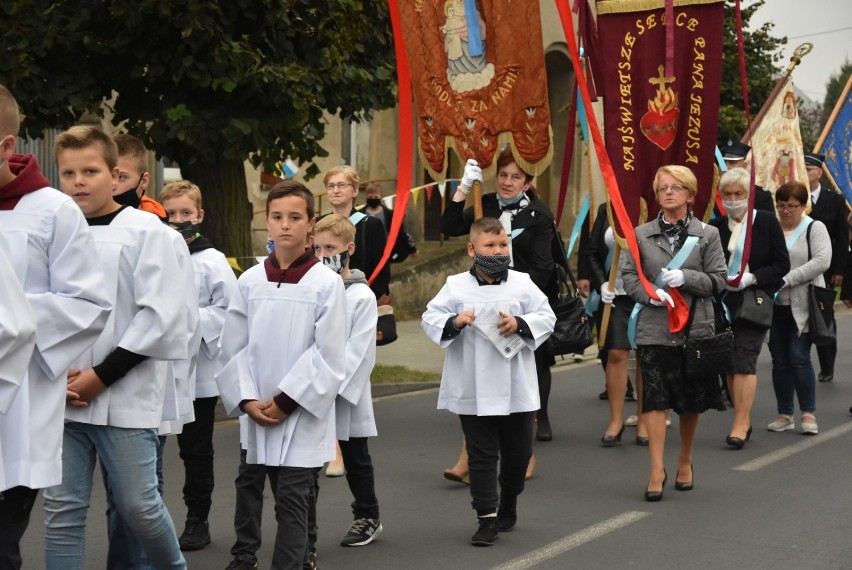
(792, 370)
(129, 457)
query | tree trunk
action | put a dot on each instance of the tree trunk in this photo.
(227, 211)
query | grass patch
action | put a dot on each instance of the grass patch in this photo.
(411, 295)
(399, 374)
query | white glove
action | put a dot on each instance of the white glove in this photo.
(664, 298)
(673, 277)
(607, 296)
(472, 173)
(747, 281)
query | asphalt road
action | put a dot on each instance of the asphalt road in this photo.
(781, 502)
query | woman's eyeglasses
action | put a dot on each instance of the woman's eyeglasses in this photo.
(673, 187)
(787, 207)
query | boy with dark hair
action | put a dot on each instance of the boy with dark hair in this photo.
(494, 395)
(133, 176)
(282, 363)
(117, 390)
(50, 247)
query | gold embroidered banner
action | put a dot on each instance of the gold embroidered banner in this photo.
(477, 69)
(651, 118)
(777, 143)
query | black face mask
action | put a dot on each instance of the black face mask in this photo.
(130, 197)
(491, 265)
(374, 202)
(188, 229)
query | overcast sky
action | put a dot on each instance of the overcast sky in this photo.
(825, 23)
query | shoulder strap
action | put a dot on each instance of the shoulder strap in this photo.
(798, 233)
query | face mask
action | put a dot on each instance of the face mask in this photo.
(130, 198)
(491, 265)
(374, 202)
(337, 261)
(270, 247)
(735, 208)
(188, 229)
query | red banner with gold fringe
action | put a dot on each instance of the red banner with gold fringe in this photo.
(653, 118)
(479, 80)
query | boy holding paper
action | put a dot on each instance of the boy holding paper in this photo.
(495, 397)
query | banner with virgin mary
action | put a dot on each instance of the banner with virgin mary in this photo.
(479, 80)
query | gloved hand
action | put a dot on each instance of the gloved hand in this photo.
(607, 296)
(664, 298)
(673, 277)
(747, 281)
(472, 173)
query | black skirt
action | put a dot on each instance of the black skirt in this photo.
(665, 385)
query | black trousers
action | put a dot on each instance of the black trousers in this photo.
(359, 476)
(196, 451)
(507, 439)
(248, 511)
(16, 504)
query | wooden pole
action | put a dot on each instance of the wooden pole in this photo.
(833, 117)
(613, 271)
(476, 192)
(801, 51)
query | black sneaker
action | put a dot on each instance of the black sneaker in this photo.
(362, 532)
(312, 560)
(237, 564)
(507, 515)
(196, 535)
(487, 533)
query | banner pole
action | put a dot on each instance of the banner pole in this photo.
(830, 123)
(613, 271)
(801, 51)
(476, 192)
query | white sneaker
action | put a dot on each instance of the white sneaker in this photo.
(809, 425)
(783, 423)
(632, 421)
(578, 357)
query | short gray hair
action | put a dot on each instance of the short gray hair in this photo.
(739, 176)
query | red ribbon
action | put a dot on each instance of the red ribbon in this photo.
(603, 158)
(405, 158)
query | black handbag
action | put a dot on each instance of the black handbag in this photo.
(709, 356)
(756, 308)
(821, 325)
(572, 332)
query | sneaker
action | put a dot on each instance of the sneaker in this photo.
(632, 421)
(237, 564)
(783, 423)
(362, 532)
(312, 560)
(487, 533)
(578, 357)
(196, 535)
(809, 425)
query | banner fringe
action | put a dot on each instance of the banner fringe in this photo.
(604, 7)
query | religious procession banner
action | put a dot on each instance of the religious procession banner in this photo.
(776, 143)
(651, 117)
(837, 147)
(479, 80)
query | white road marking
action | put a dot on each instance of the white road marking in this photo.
(579, 538)
(785, 452)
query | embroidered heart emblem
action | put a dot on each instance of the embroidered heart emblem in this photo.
(660, 127)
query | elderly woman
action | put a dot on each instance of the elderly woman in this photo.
(659, 351)
(789, 342)
(767, 266)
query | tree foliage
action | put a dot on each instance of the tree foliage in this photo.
(763, 68)
(834, 88)
(208, 83)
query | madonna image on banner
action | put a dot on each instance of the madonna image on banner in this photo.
(479, 80)
(653, 118)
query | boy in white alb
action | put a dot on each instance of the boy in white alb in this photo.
(50, 248)
(116, 390)
(282, 363)
(495, 397)
(334, 243)
(214, 283)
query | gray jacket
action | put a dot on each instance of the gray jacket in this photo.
(705, 264)
(804, 271)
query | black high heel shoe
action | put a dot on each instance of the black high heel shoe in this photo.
(686, 486)
(641, 441)
(738, 442)
(654, 496)
(610, 440)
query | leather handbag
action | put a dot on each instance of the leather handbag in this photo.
(386, 324)
(821, 325)
(756, 308)
(710, 356)
(572, 332)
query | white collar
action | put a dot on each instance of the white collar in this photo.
(815, 194)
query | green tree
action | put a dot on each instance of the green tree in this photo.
(762, 56)
(834, 88)
(208, 84)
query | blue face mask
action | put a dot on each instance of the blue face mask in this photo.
(503, 203)
(270, 247)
